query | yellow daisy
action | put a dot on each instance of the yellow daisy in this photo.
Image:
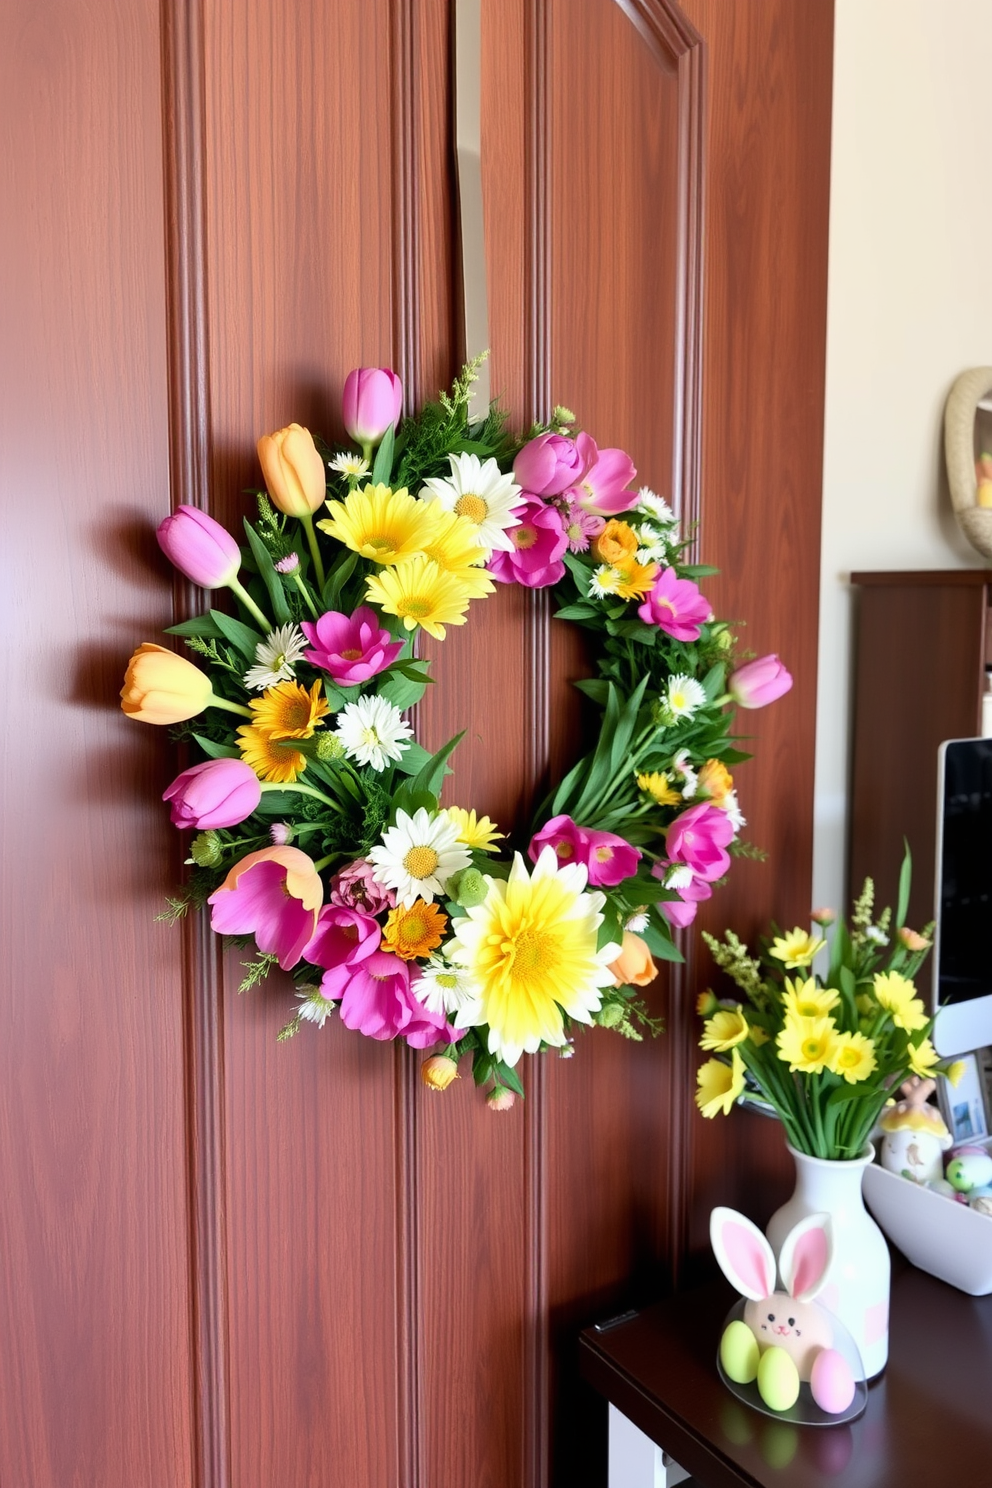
(805, 1044)
(478, 833)
(807, 1000)
(725, 1029)
(455, 548)
(923, 1058)
(384, 525)
(657, 785)
(796, 948)
(414, 930)
(720, 1085)
(270, 758)
(288, 711)
(897, 995)
(420, 593)
(852, 1056)
(637, 580)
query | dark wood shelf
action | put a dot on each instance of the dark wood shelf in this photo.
(929, 1418)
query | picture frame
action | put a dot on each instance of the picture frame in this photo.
(964, 1106)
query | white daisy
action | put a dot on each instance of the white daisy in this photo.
(690, 780)
(655, 506)
(678, 877)
(637, 922)
(605, 581)
(352, 467)
(654, 546)
(480, 491)
(730, 805)
(372, 731)
(276, 657)
(418, 855)
(683, 697)
(313, 1007)
(442, 988)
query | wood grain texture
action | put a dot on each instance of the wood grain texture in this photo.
(768, 155)
(94, 1368)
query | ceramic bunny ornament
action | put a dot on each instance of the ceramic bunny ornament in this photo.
(791, 1337)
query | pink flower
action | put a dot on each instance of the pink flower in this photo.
(698, 839)
(548, 465)
(682, 911)
(610, 859)
(343, 939)
(581, 527)
(759, 682)
(355, 887)
(218, 793)
(676, 606)
(570, 842)
(373, 398)
(378, 1002)
(200, 548)
(602, 487)
(538, 543)
(352, 648)
(273, 894)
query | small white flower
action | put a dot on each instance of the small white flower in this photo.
(730, 805)
(678, 877)
(655, 506)
(480, 491)
(654, 545)
(442, 988)
(418, 855)
(683, 697)
(275, 657)
(605, 581)
(637, 922)
(372, 731)
(352, 467)
(313, 1007)
(690, 779)
(879, 937)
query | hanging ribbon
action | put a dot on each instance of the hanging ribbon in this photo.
(468, 154)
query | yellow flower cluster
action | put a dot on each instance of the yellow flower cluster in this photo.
(621, 574)
(429, 558)
(283, 713)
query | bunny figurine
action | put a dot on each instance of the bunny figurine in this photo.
(791, 1338)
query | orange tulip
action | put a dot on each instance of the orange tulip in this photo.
(293, 471)
(616, 545)
(161, 687)
(634, 966)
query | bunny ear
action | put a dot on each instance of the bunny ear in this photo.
(806, 1255)
(744, 1254)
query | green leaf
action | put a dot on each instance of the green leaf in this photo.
(905, 882)
(413, 759)
(201, 625)
(580, 611)
(595, 688)
(278, 803)
(215, 750)
(504, 1075)
(241, 636)
(844, 1093)
(268, 575)
(430, 777)
(339, 575)
(402, 691)
(659, 940)
(383, 467)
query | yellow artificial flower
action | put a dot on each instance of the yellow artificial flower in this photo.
(725, 1029)
(806, 1044)
(865, 1004)
(530, 951)
(288, 711)
(420, 593)
(657, 785)
(923, 1058)
(796, 948)
(438, 1072)
(161, 687)
(637, 580)
(714, 780)
(955, 1072)
(477, 833)
(852, 1056)
(807, 1000)
(454, 547)
(719, 1084)
(414, 930)
(270, 758)
(706, 1003)
(293, 471)
(387, 526)
(616, 545)
(897, 995)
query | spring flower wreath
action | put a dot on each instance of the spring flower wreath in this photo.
(319, 832)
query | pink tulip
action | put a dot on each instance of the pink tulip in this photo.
(200, 548)
(699, 838)
(378, 1001)
(344, 938)
(538, 543)
(759, 682)
(568, 839)
(682, 911)
(602, 487)
(610, 859)
(676, 606)
(548, 465)
(373, 398)
(275, 895)
(355, 887)
(218, 793)
(352, 648)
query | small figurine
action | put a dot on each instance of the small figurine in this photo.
(785, 1337)
(915, 1134)
(969, 1170)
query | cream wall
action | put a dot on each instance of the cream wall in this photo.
(909, 307)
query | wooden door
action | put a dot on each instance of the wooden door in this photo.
(227, 1262)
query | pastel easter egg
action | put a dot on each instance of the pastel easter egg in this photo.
(739, 1353)
(831, 1382)
(970, 1170)
(778, 1379)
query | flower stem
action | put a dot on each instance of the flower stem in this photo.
(306, 595)
(318, 565)
(324, 862)
(242, 593)
(219, 702)
(305, 790)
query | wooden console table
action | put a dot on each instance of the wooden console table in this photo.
(928, 1423)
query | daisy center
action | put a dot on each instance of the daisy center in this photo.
(849, 1058)
(811, 1049)
(297, 714)
(379, 543)
(352, 654)
(421, 862)
(532, 951)
(524, 537)
(472, 506)
(413, 929)
(416, 608)
(447, 981)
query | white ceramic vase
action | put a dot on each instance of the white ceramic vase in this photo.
(857, 1286)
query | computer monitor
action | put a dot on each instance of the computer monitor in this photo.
(963, 911)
